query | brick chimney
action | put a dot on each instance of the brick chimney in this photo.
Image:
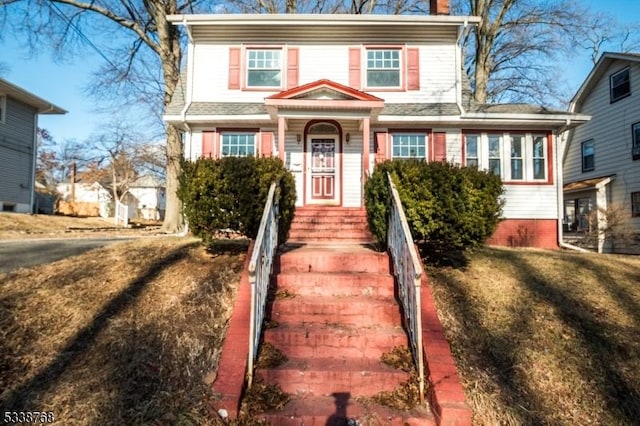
(439, 7)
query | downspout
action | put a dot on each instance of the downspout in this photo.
(34, 163)
(461, 34)
(560, 193)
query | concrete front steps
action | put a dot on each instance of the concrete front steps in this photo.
(329, 224)
(335, 315)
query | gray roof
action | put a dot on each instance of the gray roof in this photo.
(514, 109)
(418, 109)
(226, 108)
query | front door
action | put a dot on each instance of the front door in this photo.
(323, 170)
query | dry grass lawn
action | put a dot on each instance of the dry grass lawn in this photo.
(18, 225)
(544, 337)
(120, 335)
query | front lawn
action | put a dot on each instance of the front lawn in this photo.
(126, 334)
(545, 337)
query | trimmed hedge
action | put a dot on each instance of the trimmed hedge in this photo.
(447, 206)
(230, 193)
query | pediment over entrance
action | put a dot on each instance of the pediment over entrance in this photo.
(323, 90)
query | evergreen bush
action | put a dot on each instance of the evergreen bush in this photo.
(230, 193)
(447, 207)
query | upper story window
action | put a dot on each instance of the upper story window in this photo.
(588, 156)
(619, 85)
(264, 67)
(383, 68)
(237, 144)
(514, 157)
(3, 108)
(409, 145)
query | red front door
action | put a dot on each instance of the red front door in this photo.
(323, 170)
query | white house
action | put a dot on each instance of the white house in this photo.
(90, 193)
(602, 158)
(19, 112)
(333, 94)
(146, 198)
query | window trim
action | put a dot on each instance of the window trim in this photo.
(402, 69)
(505, 158)
(582, 156)
(635, 212)
(244, 67)
(410, 132)
(635, 131)
(237, 131)
(611, 87)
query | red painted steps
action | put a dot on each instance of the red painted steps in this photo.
(336, 318)
(332, 410)
(325, 340)
(336, 284)
(330, 224)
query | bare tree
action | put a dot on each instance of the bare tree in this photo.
(511, 52)
(143, 67)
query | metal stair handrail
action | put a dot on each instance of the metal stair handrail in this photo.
(260, 267)
(407, 269)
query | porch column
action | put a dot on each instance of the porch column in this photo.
(365, 149)
(282, 126)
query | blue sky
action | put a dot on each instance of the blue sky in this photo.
(64, 84)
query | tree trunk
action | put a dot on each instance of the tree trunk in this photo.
(173, 218)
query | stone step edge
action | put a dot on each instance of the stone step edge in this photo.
(318, 410)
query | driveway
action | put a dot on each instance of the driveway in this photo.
(16, 254)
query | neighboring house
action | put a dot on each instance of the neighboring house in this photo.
(84, 198)
(602, 158)
(19, 112)
(146, 198)
(333, 94)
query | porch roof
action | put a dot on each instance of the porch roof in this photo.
(592, 183)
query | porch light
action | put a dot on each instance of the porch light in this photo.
(298, 138)
(347, 137)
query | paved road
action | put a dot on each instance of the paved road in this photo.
(16, 254)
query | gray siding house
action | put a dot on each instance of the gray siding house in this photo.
(19, 111)
(602, 157)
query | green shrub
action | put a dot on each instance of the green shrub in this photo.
(230, 193)
(447, 207)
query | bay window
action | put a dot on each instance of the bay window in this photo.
(471, 150)
(517, 157)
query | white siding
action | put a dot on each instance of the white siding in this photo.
(437, 73)
(610, 129)
(324, 62)
(530, 202)
(352, 165)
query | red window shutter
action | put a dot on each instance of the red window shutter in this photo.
(234, 68)
(382, 153)
(208, 139)
(354, 68)
(439, 146)
(266, 144)
(292, 67)
(413, 68)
